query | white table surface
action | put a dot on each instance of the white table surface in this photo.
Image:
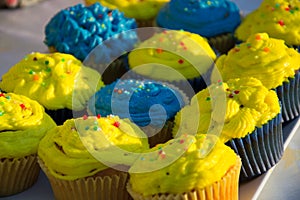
(22, 32)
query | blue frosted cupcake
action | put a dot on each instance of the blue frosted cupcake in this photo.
(149, 104)
(246, 116)
(215, 20)
(79, 29)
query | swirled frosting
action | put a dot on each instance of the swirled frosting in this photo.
(179, 54)
(90, 26)
(141, 10)
(279, 18)
(206, 18)
(23, 123)
(56, 81)
(248, 104)
(143, 102)
(190, 171)
(77, 148)
(267, 59)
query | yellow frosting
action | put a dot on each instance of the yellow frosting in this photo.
(74, 150)
(262, 57)
(248, 105)
(190, 171)
(141, 10)
(55, 80)
(279, 18)
(23, 122)
(183, 55)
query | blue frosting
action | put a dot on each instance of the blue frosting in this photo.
(77, 30)
(143, 102)
(206, 18)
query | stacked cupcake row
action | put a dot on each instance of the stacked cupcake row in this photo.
(197, 110)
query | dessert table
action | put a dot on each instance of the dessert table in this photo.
(22, 32)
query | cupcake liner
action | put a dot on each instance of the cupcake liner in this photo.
(18, 174)
(112, 187)
(289, 96)
(158, 135)
(260, 150)
(226, 188)
(223, 43)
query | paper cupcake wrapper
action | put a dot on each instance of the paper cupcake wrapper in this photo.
(110, 187)
(260, 150)
(223, 43)
(225, 189)
(289, 95)
(18, 174)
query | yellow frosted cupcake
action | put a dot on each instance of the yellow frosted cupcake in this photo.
(246, 116)
(88, 158)
(178, 57)
(279, 18)
(23, 123)
(57, 81)
(272, 62)
(188, 167)
(143, 11)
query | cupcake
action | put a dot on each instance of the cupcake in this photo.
(278, 18)
(144, 12)
(272, 62)
(93, 26)
(181, 58)
(58, 81)
(23, 123)
(245, 115)
(215, 20)
(88, 157)
(186, 168)
(149, 104)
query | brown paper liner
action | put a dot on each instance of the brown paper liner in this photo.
(158, 135)
(104, 186)
(225, 189)
(18, 174)
(222, 43)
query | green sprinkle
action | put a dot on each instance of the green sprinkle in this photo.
(208, 98)
(31, 72)
(1, 113)
(47, 62)
(95, 128)
(48, 69)
(62, 60)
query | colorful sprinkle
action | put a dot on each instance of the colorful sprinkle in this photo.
(266, 49)
(159, 50)
(281, 22)
(47, 62)
(116, 124)
(98, 116)
(230, 95)
(35, 59)
(208, 99)
(181, 141)
(1, 113)
(36, 77)
(31, 72)
(258, 37)
(236, 92)
(22, 106)
(2, 95)
(180, 61)
(85, 117)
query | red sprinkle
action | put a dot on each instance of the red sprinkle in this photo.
(2, 95)
(281, 23)
(230, 95)
(257, 37)
(85, 117)
(180, 61)
(236, 91)
(98, 116)
(36, 77)
(116, 124)
(22, 106)
(159, 50)
(266, 49)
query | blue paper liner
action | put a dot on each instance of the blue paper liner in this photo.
(289, 96)
(260, 150)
